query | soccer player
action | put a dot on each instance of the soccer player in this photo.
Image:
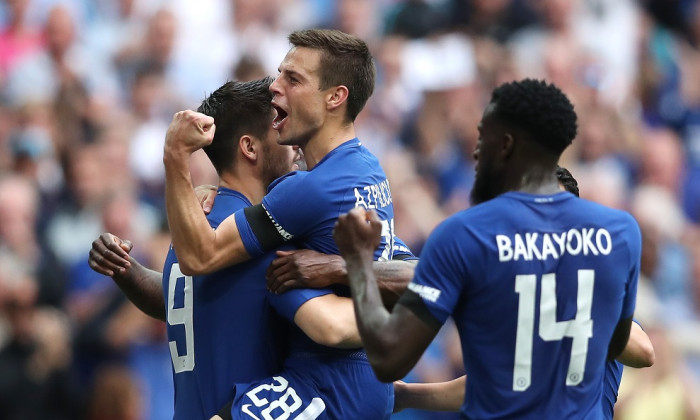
(449, 396)
(324, 82)
(541, 284)
(638, 352)
(221, 327)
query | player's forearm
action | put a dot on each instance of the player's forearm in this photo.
(144, 288)
(380, 338)
(441, 396)
(193, 239)
(329, 320)
(393, 278)
(638, 352)
(335, 335)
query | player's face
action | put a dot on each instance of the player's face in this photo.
(297, 98)
(279, 160)
(487, 181)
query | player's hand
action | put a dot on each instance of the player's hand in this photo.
(206, 194)
(189, 131)
(110, 255)
(358, 232)
(304, 268)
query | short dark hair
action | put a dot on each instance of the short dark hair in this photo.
(541, 109)
(567, 180)
(238, 108)
(345, 60)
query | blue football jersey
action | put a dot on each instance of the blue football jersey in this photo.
(611, 385)
(316, 382)
(221, 329)
(536, 286)
(304, 206)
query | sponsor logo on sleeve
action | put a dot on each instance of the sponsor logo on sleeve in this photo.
(426, 292)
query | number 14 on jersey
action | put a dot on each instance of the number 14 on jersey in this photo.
(580, 329)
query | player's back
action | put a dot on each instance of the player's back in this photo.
(220, 328)
(546, 280)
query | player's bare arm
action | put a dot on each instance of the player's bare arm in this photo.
(449, 396)
(199, 249)
(437, 396)
(394, 341)
(142, 286)
(639, 352)
(620, 337)
(329, 320)
(305, 268)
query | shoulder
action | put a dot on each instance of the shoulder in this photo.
(354, 155)
(609, 215)
(224, 206)
(291, 178)
(455, 228)
(298, 188)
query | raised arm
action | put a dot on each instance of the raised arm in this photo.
(305, 268)
(394, 341)
(199, 248)
(437, 396)
(142, 286)
(639, 352)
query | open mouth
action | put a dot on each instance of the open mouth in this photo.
(280, 118)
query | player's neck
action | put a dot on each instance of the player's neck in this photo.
(250, 186)
(326, 139)
(539, 181)
(532, 169)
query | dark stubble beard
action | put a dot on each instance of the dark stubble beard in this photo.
(485, 186)
(274, 168)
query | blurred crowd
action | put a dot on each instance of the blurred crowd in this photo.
(88, 87)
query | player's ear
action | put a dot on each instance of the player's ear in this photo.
(336, 96)
(248, 146)
(507, 145)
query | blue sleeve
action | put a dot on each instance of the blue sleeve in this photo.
(441, 273)
(296, 204)
(635, 249)
(401, 251)
(287, 304)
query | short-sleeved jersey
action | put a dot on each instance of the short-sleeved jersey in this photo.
(611, 385)
(536, 286)
(304, 206)
(333, 383)
(221, 329)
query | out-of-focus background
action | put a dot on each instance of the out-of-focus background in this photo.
(88, 87)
